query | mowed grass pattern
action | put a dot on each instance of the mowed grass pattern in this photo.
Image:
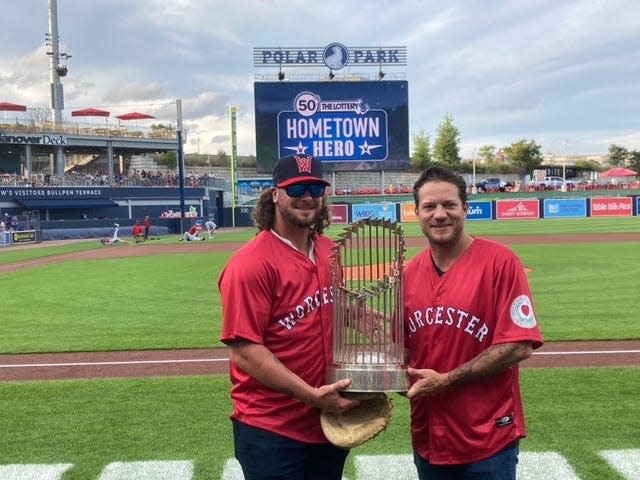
(169, 301)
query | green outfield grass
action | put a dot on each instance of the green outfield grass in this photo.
(583, 291)
(94, 422)
(517, 227)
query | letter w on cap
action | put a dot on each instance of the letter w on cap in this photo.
(304, 164)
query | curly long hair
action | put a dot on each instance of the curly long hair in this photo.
(264, 213)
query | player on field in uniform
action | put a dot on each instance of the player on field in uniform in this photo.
(115, 238)
(191, 235)
(469, 321)
(138, 232)
(147, 226)
(277, 307)
(211, 227)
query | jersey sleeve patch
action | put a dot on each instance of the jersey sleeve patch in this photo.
(522, 313)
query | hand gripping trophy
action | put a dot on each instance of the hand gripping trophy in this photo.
(368, 328)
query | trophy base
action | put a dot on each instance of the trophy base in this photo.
(370, 378)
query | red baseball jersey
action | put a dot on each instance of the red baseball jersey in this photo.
(275, 296)
(482, 300)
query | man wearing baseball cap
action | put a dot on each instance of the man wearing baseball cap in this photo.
(277, 306)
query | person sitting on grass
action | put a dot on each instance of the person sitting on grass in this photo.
(138, 232)
(191, 235)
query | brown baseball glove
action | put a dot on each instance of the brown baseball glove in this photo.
(360, 424)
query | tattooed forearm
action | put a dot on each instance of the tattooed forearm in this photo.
(492, 361)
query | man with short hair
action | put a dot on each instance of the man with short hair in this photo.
(469, 321)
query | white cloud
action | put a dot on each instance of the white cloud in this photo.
(535, 69)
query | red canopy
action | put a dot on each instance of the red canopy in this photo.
(90, 112)
(619, 172)
(134, 116)
(12, 107)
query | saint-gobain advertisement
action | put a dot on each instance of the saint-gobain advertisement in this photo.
(359, 125)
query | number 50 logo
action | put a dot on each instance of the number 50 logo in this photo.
(306, 103)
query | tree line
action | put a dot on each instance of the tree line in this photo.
(521, 157)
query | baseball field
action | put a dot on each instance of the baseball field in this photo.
(111, 368)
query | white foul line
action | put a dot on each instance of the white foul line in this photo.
(128, 362)
(587, 352)
(209, 360)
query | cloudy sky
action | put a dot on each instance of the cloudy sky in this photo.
(563, 73)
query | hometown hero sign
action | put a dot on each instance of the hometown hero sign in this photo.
(333, 129)
(359, 125)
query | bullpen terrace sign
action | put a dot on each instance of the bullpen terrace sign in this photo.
(335, 56)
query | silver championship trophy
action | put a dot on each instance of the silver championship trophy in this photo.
(368, 343)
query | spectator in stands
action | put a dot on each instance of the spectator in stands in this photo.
(147, 225)
(138, 232)
(191, 235)
(8, 226)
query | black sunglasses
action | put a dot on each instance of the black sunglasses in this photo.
(298, 190)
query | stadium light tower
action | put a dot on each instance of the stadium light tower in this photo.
(198, 139)
(58, 69)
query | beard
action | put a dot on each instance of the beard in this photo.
(289, 215)
(448, 240)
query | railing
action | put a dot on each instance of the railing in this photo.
(89, 130)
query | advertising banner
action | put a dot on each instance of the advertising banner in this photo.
(480, 210)
(517, 209)
(564, 207)
(361, 125)
(611, 206)
(374, 210)
(23, 236)
(408, 212)
(339, 213)
(250, 188)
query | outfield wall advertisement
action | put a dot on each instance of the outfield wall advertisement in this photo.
(517, 209)
(340, 213)
(480, 210)
(611, 206)
(565, 207)
(361, 125)
(374, 210)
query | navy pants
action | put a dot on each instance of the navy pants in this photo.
(265, 455)
(501, 466)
